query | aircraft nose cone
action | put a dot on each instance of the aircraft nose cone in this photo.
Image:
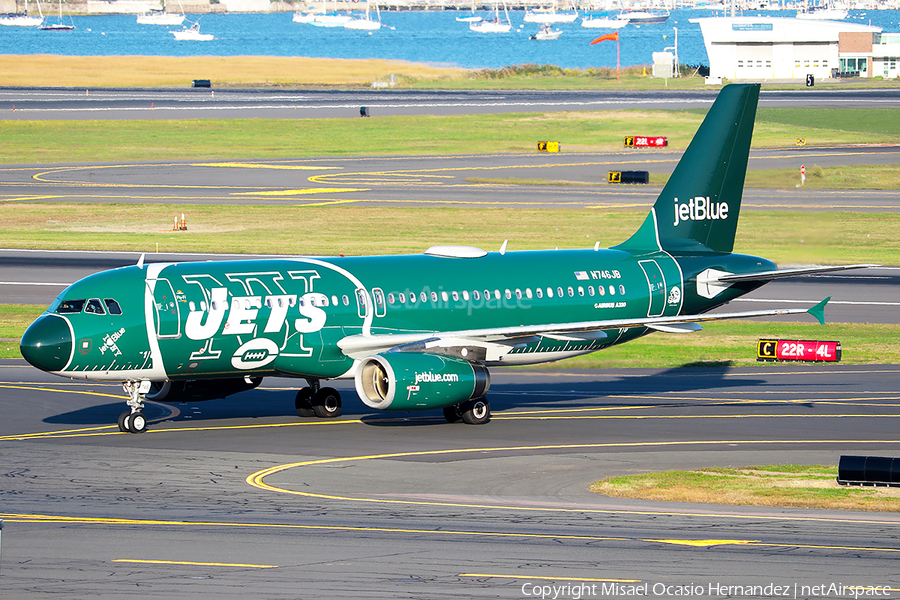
(47, 343)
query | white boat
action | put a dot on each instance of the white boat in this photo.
(303, 17)
(471, 17)
(823, 14)
(603, 22)
(366, 23)
(546, 33)
(192, 34)
(58, 26)
(330, 20)
(21, 20)
(160, 17)
(549, 15)
(490, 27)
(24, 20)
(494, 26)
(640, 17)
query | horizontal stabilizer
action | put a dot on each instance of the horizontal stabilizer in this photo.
(782, 273)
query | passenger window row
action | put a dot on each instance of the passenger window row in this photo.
(478, 295)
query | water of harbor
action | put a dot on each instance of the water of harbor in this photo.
(430, 37)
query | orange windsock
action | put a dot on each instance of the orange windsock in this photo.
(614, 36)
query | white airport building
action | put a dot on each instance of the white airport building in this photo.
(760, 48)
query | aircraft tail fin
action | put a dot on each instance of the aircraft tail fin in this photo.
(699, 206)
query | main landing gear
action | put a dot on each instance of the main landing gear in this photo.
(315, 401)
(134, 421)
(472, 412)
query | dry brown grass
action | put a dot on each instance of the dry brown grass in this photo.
(175, 71)
(806, 487)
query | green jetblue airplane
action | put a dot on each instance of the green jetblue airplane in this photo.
(420, 331)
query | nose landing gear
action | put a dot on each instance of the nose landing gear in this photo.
(134, 421)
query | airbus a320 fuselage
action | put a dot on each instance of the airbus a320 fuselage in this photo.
(419, 331)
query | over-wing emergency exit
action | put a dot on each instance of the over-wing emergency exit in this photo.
(417, 331)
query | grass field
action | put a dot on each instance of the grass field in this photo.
(783, 236)
(293, 72)
(224, 71)
(30, 142)
(769, 485)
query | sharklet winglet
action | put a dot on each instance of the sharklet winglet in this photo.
(818, 311)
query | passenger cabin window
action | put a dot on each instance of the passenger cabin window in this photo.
(112, 306)
(70, 306)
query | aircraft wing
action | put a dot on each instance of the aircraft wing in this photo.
(360, 346)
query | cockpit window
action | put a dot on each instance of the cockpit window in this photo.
(70, 306)
(95, 307)
(112, 306)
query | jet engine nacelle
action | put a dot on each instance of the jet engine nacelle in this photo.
(196, 390)
(408, 381)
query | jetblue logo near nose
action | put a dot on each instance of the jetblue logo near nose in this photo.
(700, 209)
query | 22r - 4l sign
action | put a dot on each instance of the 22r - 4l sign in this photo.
(799, 350)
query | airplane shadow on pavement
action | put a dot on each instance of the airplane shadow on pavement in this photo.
(606, 391)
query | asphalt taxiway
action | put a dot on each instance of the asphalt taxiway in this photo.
(473, 181)
(222, 103)
(239, 497)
